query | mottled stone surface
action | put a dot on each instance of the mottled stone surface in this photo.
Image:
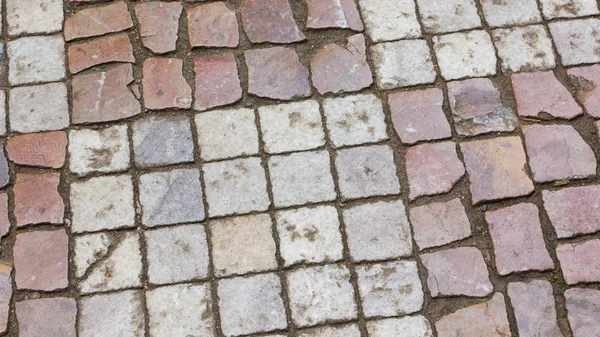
(159, 24)
(510, 12)
(41, 261)
(50, 317)
(34, 16)
(576, 40)
(91, 248)
(217, 81)
(388, 20)
(486, 319)
(36, 59)
(213, 25)
(402, 64)
(4, 221)
(586, 81)
(442, 16)
(114, 314)
(46, 149)
(439, 223)
(579, 261)
(6, 289)
(469, 54)
(350, 330)
(524, 48)
(534, 307)
(4, 170)
(104, 150)
(333, 14)
(112, 48)
(413, 326)
(573, 210)
(568, 8)
(99, 20)
(159, 140)
(270, 21)
(583, 306)
(38, 108)
(164, 85)
(37, 199)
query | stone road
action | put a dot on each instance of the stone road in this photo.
(300, 168)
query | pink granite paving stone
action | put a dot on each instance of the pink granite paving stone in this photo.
(534, 307)
(433, 168)
(439, 223)
(333, 14)
(586, 80)
(541, 95)
(558, 152)
(574, 210)
(4, 220)
(217, 81)
(46, 149)
(518, 239)
(41, 261)
(496, 168)
(164, 85)
(113, 48)
(270, 21)
(96, 21)
(6, 290)
(159, 24)
(579, 261)
(213, 25)
(49, 317)
(486, 319)
(340, 69)
(37, 199)
(583, 306)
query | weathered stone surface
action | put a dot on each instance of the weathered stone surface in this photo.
(402, 64)
(41, 261)
(4, 170)
(36, 59)
(270, 21)
(98, 21)
(113, 48)
(439, 223)
(579, 261)
(333, 14)
(413, 326)
(4, 221)
(50, 317)
(38, 149)
(583, 306)
(389, 20)
(91, 248)
(103, 150)
(6, 290)
(534, 307)
(37, 199)
(276, 73)
(457, 271)
(340, 69)
(159, 140)
(34, 16)
(213, 25)
(448, 15)
(217, 81)
(586, 81)
(159, 24)
(3, 110)
(164, 85)
(510, 12)
(496, 168)
(104, 96)
(568, 8)
(524, 48)
(483, 320)
(114, 314)
(38, 108)
(576, 40)
(573, 211)
(469, 54)
(350, 330)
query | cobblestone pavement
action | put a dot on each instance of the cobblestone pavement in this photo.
(301, 168)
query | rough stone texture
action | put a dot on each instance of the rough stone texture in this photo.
(236, 187)
(109, 315)
(41, 261)
(469, 54)
(319, 294)
(583, 306)
(38, 149)
(276, 73)
(576, 40)
(518, 239)
(112, 48)
(4, 170)
(378, 231)
(390, 289)
(510, 12)
(171, 197)
(3, 110)
(217, 81)
(389, 20)
(159, 140)
(557, 102)
(34, 16)
(4, 221)
(251, 304)
(37, 199)
(38, 108)
(333, 331)
(103, 150)
(433, 168)
(534, 307)
(558, 152)
(177, 254)
(226, 133)
(586, 81)
(439, 223)
(573, 211)
(102, 203)
(486, 319)
(270, 21)
(333, 14)
(477, 109)
(367, 171)
(91, 248)
(6, 290)
(402, 64)
(291, 126)
(104, 96)
(164, 85)
(36, 59)
(496, 168)
(98, 21)
(524, 48)
(579, 261)
(213, 25)
(180, 310)
(568, 8)
(309, 235)
(457, 271)
(341, 69)
(418, 115)
(50, 317)
(410, 326)
(442, 16)
(159, 24)
(301, 178)
(242, 245)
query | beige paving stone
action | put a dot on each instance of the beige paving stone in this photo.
(337, 331)
(469, 54)
(38, 108)
(34, 16)
(524, 48)
(402, 64)
(568, 8)
(103, 150)
(114, 314)
(442, 16)
(575, 40)
(388, 20)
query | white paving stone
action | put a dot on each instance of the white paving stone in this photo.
(468, 54)
(34, 16)
(332, 331)
(36, 59)
(109, 315)
(388, 20)
(89, 249)
(524, 48)
(402, 63)
(411, 326)
(102, 150)
(442, 16)
(2, 109)
(568, 8)
(510, 12)
(38, 108)
(576, 40)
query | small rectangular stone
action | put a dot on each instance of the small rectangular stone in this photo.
(112, 48)
(49, 317)
(483, 319)
(164, 85)
(34, 16)
(38, 149)
(568, 8)
(469, 54)
(217, 81)
(159, 24)
(510, 12)
(570, 212)
(440, 223)
(38, 108)
(213, 25)
(44, 57)
(270, 21)
(402, 64)
(413, 326)
(388, 20)
(583, 306)
(115, 314)
(579, 261)
(98, 21)
(162, 140)
(524, 48)
(37, 199)
(41, 261)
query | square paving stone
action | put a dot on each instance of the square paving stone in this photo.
(226, 133)
(333, 14)
(510, 12)
(457, 271)
(213, 25)
(567, 8)
(37, 199)
(390, 289)
(524, 48)
(171, 197)
(50, 317)
(36, 59)
(402, 64)
(177, 254)
(378, 231)
(270, 21)
(217, 81)
(413, 326)
(291, 127)
(469, 54)
(332, 331)
(4, 170)
(164, 85)
(439, 223)
(101, 150)
(583, 306)
(38, 108)
(46, 149)
(159, 23)
(586, 81)
(47, 15)
(389, 20)
(442, 16)
(321, 294)
(534, 307)
(576, 40)
(115, 314)
(251, 304)
(162, 141)
(354, 120)
(496, 168)
(484, 319)
(41, 261)
(301, 178)
(367, 171)
(180, 310)
(236, 187)
(243, 244)
(309, 235)
(579, 261)
(570, 212)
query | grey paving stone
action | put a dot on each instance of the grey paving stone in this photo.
(439, 223)
(332, 331)
(568, 8)
(575, 40)
(524, 48)
(389, 20)
(510, 12)
(402, 64)
(410, 326)
(4, 170)
(102, 150)
(162, 141)
(442, 16)
(34, 16)
(3, 112)
(91, 248)
(36, 59)
(38, 108)
(469, 54)
(109, 315)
